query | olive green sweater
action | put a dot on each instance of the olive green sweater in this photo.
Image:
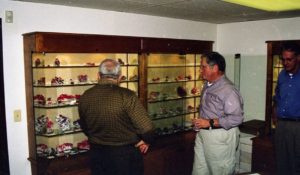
(113, 115)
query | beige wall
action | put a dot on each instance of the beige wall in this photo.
(248, 39)
(29, 17)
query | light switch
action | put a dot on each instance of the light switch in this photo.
(17, 115)
(9, 16)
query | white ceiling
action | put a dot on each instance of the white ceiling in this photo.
(211, 11)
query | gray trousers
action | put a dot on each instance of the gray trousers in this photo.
(287, 147)
(216, 151)
(116, 160)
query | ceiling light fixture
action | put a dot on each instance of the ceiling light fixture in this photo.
(269, 5)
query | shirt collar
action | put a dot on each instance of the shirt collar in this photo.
(216, 81)
(291, 74)
(107, 82)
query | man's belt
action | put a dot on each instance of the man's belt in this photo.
(212, 128)
(290, 119)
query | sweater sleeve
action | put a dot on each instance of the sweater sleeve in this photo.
(140, 119)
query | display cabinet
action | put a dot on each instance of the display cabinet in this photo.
(59, 67)
(174, 85)
(169, 64)
(172, 82)
(58, 81)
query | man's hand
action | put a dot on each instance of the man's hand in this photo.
(274, 121)
(143, 147)
(201, 123)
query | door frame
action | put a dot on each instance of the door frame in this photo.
(4, 166)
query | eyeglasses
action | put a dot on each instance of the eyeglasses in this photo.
(288, 59)
(204, 66)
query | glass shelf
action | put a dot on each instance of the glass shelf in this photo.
(64, 67)
(64, 85)
(58, 132)
(179, 81)
(170, 131)
(173, 98)
(56, 106)
(74, 66)
(79, 84)
(175, 66)
(280, 67)
(171, 116)
(75, 151)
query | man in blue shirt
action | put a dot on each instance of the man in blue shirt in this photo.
(286, 112)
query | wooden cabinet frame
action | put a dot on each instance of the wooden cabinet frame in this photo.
(88, 43)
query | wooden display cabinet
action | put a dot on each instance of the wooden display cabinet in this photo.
(59, 67)
(169, 64)
(171, 155)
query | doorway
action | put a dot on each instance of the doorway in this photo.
(4, 165)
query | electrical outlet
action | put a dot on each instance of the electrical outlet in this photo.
(17, 115)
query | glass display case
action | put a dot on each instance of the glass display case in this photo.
(277, 67)
(58, 81)
(174, 87)
(59, 67)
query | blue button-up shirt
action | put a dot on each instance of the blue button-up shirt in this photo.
(287, 95)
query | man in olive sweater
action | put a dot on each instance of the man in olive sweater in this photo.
(116, 124)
